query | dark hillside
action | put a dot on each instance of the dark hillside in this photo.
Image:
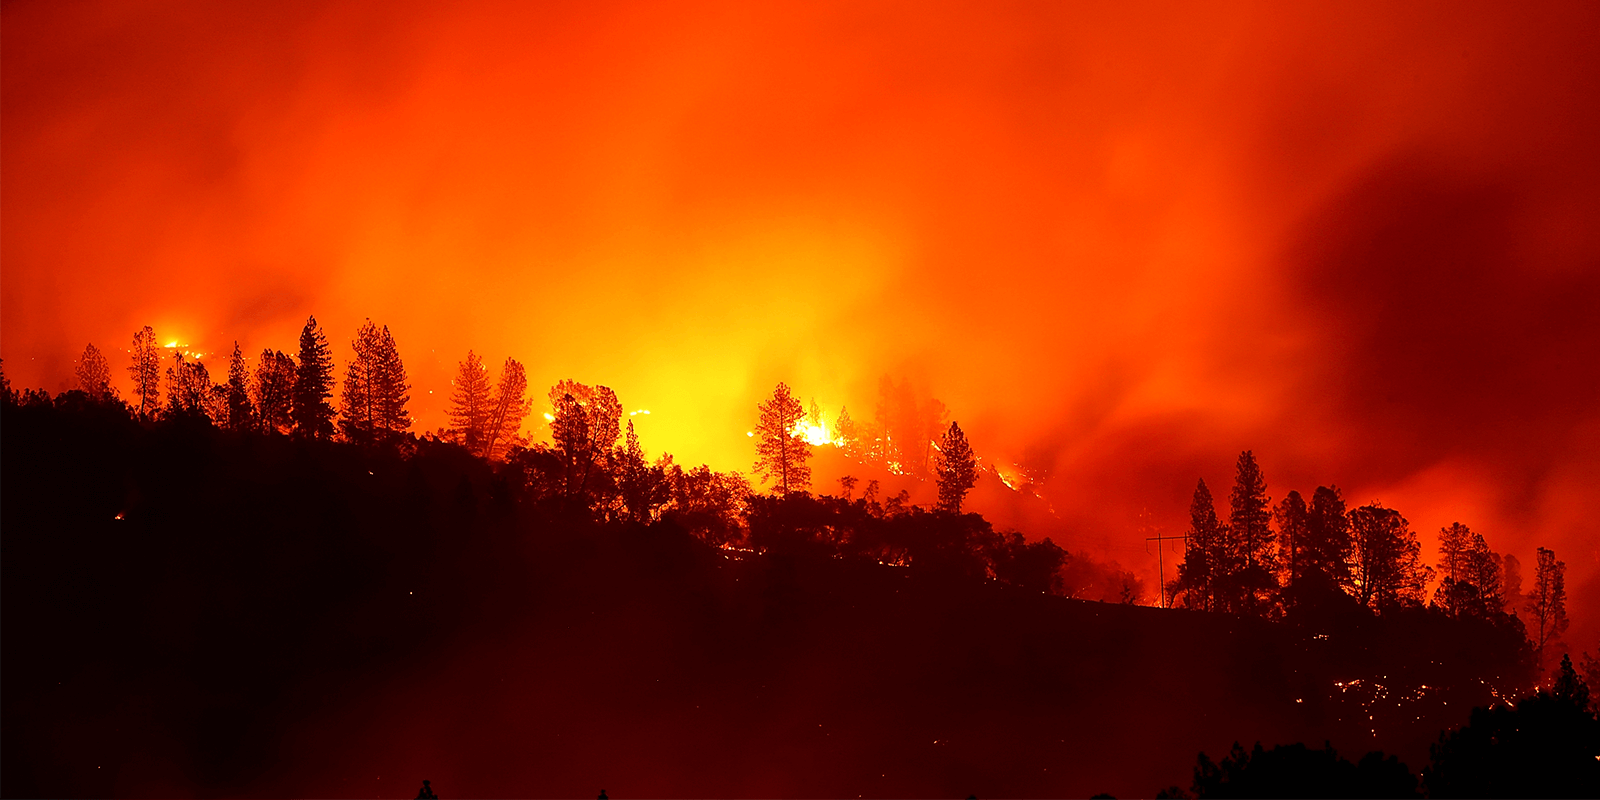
(189, 611)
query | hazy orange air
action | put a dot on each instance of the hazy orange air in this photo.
(1122, 241)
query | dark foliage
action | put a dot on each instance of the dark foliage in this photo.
(1298, 771)
(1547, 745)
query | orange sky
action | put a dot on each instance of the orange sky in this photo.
(1360, 239)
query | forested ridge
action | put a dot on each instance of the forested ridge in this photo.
(197, 591)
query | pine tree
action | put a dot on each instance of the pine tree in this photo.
(1389, 570)
(1547, 601)
(241, 414)
(358, 402)
(1202, 555)
(392, 388)
(274, 391)
(469, 404)
(1293, 537)
(846, 434)
(94, 374)
(146, 372)
(1253, 577)
(957, 469)
(508, 407)
(780, 455)
(313, 385)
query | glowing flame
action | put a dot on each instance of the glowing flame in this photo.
(813, 434)
(549, 417)
(644, 411)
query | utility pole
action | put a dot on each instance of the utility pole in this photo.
(1160, 561)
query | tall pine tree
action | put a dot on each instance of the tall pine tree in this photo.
(1389, 572)
(241, 414)
(1196, 584)
(310, 410)
(957, 469)
(1252, 579)
(780, 454)
(469, 404)
(94, 374)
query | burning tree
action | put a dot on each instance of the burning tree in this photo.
(780, 454)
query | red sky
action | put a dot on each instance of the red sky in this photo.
(1362, 240)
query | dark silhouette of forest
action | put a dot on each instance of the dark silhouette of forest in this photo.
(211, 587)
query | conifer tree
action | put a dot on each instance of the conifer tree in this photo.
(146, 372)
(845, 433)
(373, 403)
(393, 389)
(1389, 572)
(274, 391)
(780, 454)
(957, 469)
(1547, 601)
(313, 385)
(469, 404)
(358, 402)
(241, 413)
(1293, 530)
(1202, 556)
(508, 407)
(1253, 575)
(94, 374)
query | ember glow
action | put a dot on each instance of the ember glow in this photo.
(1121, 243)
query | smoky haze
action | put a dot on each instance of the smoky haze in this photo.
(1120, 244)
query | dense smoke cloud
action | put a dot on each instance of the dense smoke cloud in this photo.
(1121, 244)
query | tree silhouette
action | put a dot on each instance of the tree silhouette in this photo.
(358, 402)
(846, 434)
(642, 487)
(146, 372)
(392, 389)
(1203, 559)
(1389, 570)
(507, 409)
(313, 385)
(957, 469)
(94, 374)
(241, 414)
(1298, 771)
(1328, 544)
(570, 430)
(469, 403)
(780, 454)
(1293, 537)
(274, 391)
(1249, 584)
(1547, 745)
(1547, 601)
(188, 387)
(1471, 585)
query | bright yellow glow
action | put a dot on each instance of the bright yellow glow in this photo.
(548, 417)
